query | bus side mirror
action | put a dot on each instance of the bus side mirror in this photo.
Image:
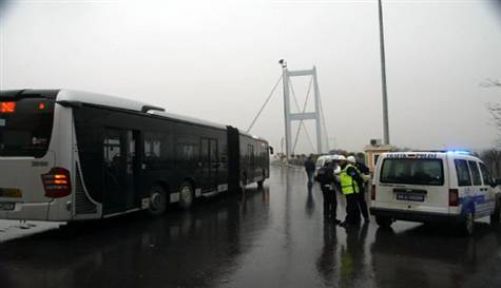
(270, 150)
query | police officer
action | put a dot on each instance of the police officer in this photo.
(363, 171)
(349, 177)
(325, 176)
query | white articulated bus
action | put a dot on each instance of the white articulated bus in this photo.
(68, 155)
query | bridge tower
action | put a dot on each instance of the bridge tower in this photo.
(302, 115)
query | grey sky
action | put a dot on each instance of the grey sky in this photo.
(217, 60)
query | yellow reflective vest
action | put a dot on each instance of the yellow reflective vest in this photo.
(348, 185)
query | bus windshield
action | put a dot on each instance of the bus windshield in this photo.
(413, 171)
(25, 126)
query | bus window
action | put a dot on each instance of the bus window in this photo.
(112, 151)
(25, 127)
(214, 157)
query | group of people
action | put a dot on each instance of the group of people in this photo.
(346, 176)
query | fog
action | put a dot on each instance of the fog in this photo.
(218, 60)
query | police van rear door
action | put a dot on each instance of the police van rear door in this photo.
(414, 182)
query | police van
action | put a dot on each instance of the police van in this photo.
(447, 186)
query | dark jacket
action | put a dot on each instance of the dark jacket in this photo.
(309, 166)
(363, 168)
(325, 175)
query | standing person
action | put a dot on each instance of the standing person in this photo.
(326, 178)
(309, 166)
(349, 177)
(364, 177)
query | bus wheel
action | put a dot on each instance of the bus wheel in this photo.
(186, 196)
(468, 225)
(158, 201)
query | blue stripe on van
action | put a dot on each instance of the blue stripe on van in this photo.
(478, 199)
(469, 204)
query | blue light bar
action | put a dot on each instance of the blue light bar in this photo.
(459, 152)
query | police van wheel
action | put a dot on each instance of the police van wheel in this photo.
(384, 221)
(468, 225)
(158, 201)
(186, 195)
(496, 215)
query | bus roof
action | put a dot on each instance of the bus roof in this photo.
(126, 104)
(28, 93)
(72, 96)
(63, 96)
(186, 119)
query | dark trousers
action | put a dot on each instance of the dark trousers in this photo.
(362, 204)
(310, 174)
(330, 203)
(352, 209)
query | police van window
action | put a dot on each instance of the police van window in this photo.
(462, 172)
(486, 176)
(475, 173)
(416, 171)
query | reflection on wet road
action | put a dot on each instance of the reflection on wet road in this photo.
(274, 237)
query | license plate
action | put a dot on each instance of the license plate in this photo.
(410, 197)
(7, 206)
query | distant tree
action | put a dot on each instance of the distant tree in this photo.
(488, 83)
(494, 108)
(495, 111)
(492, 159)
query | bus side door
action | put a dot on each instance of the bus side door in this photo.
(119, 170)
(210, 164)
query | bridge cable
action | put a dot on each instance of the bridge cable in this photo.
(324, 124)
(265, 103)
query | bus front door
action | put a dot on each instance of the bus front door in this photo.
(120, 170)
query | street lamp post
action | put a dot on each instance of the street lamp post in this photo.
(285, 79)
(386, 129)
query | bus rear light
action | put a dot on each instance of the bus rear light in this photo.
(453, 197)
(373, 192)
(57, 183)
(7, 107)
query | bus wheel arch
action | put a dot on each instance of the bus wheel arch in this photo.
(158, 197)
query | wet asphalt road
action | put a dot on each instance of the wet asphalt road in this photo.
(274, 237)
